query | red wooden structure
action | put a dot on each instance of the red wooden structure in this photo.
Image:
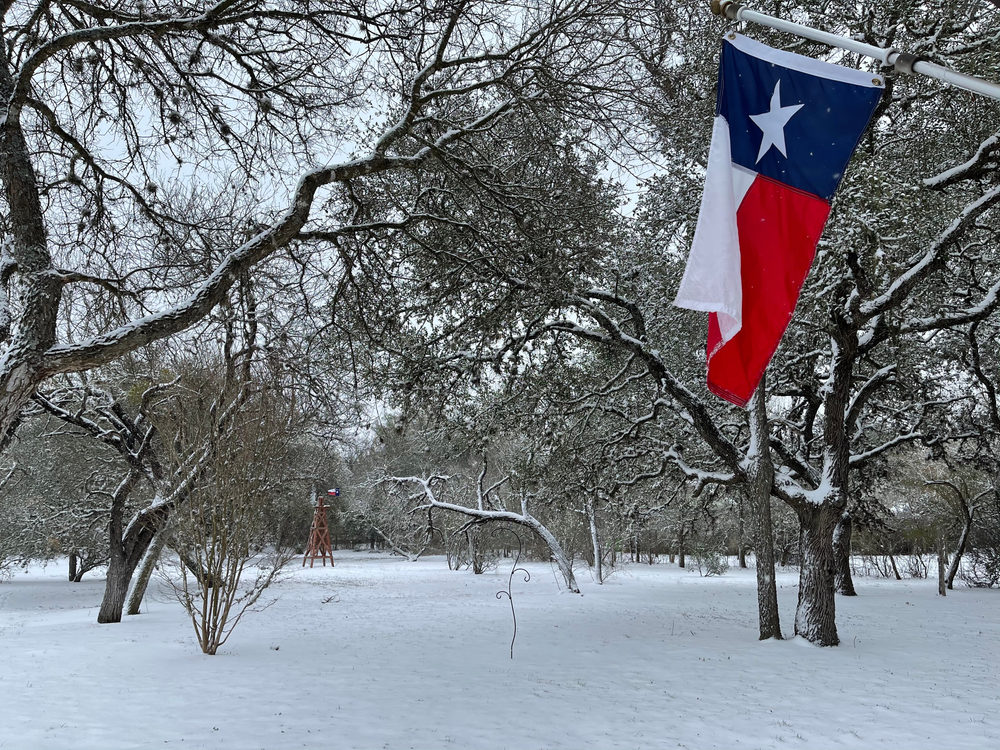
(319, 547)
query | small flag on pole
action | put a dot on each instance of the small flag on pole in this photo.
(334, 492)
(785, 128)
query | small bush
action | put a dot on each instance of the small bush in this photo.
(982, 567)
(710, 557)
(224, 534)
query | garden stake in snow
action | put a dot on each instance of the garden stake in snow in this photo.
(319, 547)
(510, 580)
(888, 56)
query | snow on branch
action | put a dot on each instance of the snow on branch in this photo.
(859, 459)
(986, 306)
(795, 462)
(78, 419)
(904, 284)
(974, 167)
(913, 433)
(477, 515)
(611, 333)
(983, 378)
(701, 478)
(212, 18)
(108, 346)
(864, 395)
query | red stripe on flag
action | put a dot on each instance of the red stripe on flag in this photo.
(778, 229)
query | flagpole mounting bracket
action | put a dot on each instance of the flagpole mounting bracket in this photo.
(728, 8)
(888, 56)
(904, 62)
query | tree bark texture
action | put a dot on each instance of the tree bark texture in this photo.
(140, 581)
(115, 588)
(942, 561)
(842, 555)
(595, 542)
(956, 560)
(474, 559)
(561, 561)
(741, 551)
(758, 496)
(769, 620)
(126, 548)
(815, 615)
(21, 367)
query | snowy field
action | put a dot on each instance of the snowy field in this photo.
(382, 653)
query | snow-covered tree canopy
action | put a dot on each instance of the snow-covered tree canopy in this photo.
(155, 152)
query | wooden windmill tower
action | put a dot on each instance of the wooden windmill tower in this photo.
(319, 547)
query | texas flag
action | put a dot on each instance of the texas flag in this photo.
(785, 128)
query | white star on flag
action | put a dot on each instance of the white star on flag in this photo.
(772, 123)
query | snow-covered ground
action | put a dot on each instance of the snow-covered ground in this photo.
(382, 653)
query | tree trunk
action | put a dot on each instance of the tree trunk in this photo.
(741, 547)
(769, 620)
(115, 587)
(680, 548)
(595, 542)
(895, 570)
(562, 562)
(815, 616)
(842, 554)
(124, 559)
(119, 574)
(72, 568)
(956, 561)
(22, 367)
(125, 547)
(761, 474)
(140, 582)
(474, 559)
(942, 560)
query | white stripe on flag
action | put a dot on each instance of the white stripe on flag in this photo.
(712, 280)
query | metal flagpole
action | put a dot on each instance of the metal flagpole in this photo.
(901, 61)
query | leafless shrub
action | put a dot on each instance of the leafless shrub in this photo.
(228, 551)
